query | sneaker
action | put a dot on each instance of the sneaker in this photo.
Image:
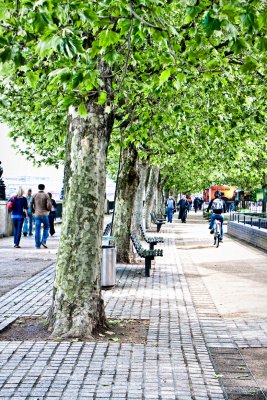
(211, 231)
(43, 244)
(25, 233)
(17, 246)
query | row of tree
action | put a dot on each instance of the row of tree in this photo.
(173, 92)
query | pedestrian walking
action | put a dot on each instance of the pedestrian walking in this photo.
(40, 206)
(19, 210)
(27, 226)
(183, 208)
(52, 215)
(196, 204)
(170, 207)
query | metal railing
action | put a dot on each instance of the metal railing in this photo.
(258, 220)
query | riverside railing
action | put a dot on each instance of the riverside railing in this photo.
(252, 219)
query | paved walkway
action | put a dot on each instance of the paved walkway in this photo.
(197, 337)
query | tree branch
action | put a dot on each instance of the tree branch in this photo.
(145, 22)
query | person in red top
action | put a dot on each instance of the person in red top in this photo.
(189, 201)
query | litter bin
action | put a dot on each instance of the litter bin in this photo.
(108, 272)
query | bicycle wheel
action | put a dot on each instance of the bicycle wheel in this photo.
(217, 240)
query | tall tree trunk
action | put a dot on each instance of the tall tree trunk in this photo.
(78, 307)
(150, 203)
(160, 209)
(138, 212)
(126, 188)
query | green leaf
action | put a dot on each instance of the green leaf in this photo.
(68, 101)
(4, 12)
(5, 55)
(32, 79)
(164, 76)
(111, 56)
(192, 12)
(82, 110)
(41, 22)
(108, 37)
(77, 79)
(58, 72)
(239, 45)
(249, 65)
(262, 19)
(210, 24)
(102, 98)
(3, 41)
(47, 46)
(261, 44)
(248, 21)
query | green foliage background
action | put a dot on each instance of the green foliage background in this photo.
(189, 81)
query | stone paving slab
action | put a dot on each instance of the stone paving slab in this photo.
(174, 364)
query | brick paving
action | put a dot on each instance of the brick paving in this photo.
(175, 363)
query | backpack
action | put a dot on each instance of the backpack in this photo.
(170, 203)
(217, 204)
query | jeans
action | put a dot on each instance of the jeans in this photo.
(169, 214)
(38, 222)
(212, 219)
(28, 223)
(17, 222)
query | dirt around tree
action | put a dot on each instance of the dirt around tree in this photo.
(36, 329)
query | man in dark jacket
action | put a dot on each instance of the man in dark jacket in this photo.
(183, 208)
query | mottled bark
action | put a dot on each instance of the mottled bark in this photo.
(126, 188)
(150, 202)
(160, 201)
(78, 307)
(138, 211)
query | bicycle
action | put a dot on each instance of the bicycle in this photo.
(217, 232)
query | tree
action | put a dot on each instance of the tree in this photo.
(85, 59)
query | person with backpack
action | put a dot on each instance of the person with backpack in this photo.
(218, 207)
(170, 207)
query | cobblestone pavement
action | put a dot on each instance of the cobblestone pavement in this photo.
(177, 362)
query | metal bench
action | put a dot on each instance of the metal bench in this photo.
(148, 255)
(107, 229)
(156, 221)
(152, 241)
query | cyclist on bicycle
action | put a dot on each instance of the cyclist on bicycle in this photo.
(218, 207)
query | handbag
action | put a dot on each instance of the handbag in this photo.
(10, 204)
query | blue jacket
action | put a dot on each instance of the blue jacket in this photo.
(19, 207)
